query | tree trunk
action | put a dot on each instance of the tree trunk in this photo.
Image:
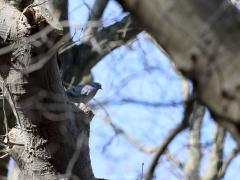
(50, 138)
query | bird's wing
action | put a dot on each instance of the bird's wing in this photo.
(86, 90)
(75, 91)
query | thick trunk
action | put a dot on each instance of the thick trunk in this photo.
(50, 138)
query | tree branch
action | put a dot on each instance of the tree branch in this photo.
(85, 56)
(161, 149)
(94, 21)
(192, 165)
(202, 53)
(98, 9)
(94, 17)
(118, 130)
(216, 154)
(226, 163)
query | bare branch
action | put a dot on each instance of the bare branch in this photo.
(98, 9)
(78, 60)
(226, 163)
(171, 157)
(94, 19)
(216, 154)
(142, 103)
(161, 149)
(119, 131)
(192, 165)
(202, 53)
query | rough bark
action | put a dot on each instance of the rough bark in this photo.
(202, 38)
(111, 40)
(59, 9)
(49, 129)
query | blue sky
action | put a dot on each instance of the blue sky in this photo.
(124, 74)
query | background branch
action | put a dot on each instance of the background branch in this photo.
(214, 39)
(161, 149)
(216, 155)
(227, 162)
(84, 56)
(191, 168)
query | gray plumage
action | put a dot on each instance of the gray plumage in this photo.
(83, 93)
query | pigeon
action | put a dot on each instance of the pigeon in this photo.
(83, 93)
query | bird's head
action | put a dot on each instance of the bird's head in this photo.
(96, 85)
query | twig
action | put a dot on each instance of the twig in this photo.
(160, 151)
(4, 155)
(119, 131)
(178, 163)
(227, 161)
(142, 103)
